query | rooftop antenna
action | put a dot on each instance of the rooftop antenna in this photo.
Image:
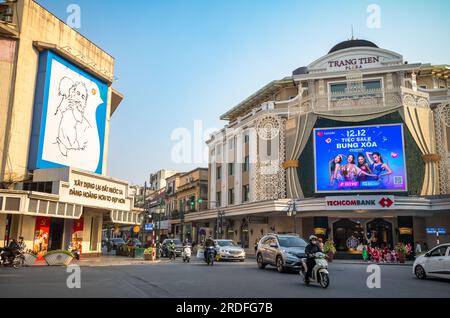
(352, 33)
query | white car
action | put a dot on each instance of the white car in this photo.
(436, 263)
(228, 250)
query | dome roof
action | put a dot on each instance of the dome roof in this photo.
(351, 43)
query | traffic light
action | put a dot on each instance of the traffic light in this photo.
(200, 200)
(191, 203)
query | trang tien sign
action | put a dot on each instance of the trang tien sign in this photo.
(352, 63)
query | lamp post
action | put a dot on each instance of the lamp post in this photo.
(160, 209)
(292, 211)
(220, 216)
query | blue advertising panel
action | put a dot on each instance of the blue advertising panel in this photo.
(360, 158)
(69, 117)
(148, 226)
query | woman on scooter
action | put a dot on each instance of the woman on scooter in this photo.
(311, 249)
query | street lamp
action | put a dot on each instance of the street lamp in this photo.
(292, 211)
(220, 216)
(160, 209)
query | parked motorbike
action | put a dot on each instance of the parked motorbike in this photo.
(210, 254)
(320, 274)
(186, 254)
(76, 253)
(11, 257)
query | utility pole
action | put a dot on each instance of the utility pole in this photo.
(144, 218)
(182, 221)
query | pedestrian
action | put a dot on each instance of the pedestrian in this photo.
(418, 248)
(321, 244)
(365, 254)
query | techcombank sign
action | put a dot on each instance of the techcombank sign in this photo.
(360, 202)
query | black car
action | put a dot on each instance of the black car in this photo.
(165, 249)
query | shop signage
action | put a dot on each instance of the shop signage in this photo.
(89, 190)
(136, 229)
(353, 62)
(320, 231)
(258, 220)
(405, 231)
(360, 202)
(434, 230)
(355, 58)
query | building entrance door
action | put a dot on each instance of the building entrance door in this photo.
(379, 233)
(245, 239)
(347, 235)
(56, 233)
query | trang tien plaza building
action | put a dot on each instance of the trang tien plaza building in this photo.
(352, 147)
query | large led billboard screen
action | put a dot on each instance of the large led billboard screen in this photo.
(360, 159)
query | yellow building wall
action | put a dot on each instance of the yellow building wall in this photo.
(88, 216)
(37, 24)
(27, 230)
(2, 229)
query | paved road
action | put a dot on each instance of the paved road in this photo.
(176, 279)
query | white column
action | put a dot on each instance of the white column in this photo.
(224, 173)
(213, 180)
(238, 151)
(253, 157)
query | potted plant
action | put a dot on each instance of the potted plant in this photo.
(402, 251)
(149, 254)
(58, 257)
(329, 249)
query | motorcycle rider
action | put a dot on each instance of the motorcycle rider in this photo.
(171, 247)
(209, 242)
(21, 245)
(14, 247)
(311, 249)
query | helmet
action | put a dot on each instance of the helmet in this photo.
(312, 237)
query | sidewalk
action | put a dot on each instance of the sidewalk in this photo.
(112, 260)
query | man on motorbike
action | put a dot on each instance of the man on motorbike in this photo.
(311, 249)
(209, 242)
(171, 248)
(14, 247)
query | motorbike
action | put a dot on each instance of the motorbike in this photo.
(76, 253)
(319, 273)
(13, 258)
(186, 254)
(172, 254)
(210, 254)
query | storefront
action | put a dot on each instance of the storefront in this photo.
(72, 215)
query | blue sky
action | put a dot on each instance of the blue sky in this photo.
(178, 61)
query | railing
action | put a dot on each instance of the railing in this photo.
(358, 98)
